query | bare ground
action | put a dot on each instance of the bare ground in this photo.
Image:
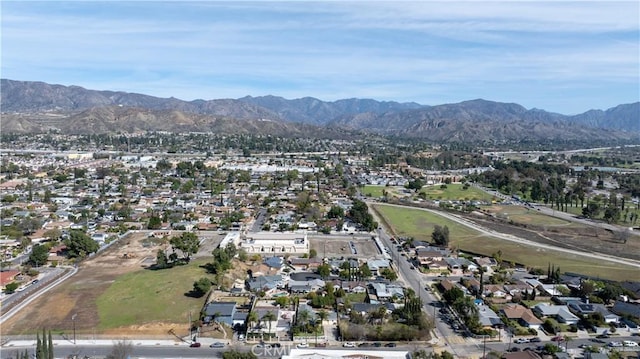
(77, 296)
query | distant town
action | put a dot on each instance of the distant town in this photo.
(300, 248)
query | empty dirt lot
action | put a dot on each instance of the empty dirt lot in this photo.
(340, 246)
(77, 295)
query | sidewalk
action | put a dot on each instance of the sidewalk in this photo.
(97, 342)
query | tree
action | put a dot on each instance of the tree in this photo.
(201, 286)
(11, 287)
(336, 212)
(121, 349)
(453, 294)
(389, 274)
(161, 260)
(365, 272)
(252, 317)
(269, 317)
(313, 253)
(79, 244)
(155, 222)
(39, 255)
(187, 243)
(324, 270)
(440, 235)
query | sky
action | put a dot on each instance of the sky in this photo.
(564, 57)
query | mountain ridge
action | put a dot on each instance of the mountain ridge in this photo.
(27, 105)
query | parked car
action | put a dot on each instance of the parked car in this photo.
(514, 349)
(195, 345)
(535, 340)
(629, 343)
(557, 338)
(602, 336)
(615, 344)
(349, 345)
(217, 345)
(521, 341)
(302, 345)
(321, 345)
(377, 344)
(390, 345)
(363, 345)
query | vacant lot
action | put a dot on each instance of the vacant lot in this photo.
(114, 293)
(339, 246)
(419, 224)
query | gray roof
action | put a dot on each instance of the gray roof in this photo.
(224, 309)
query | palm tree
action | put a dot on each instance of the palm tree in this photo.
(269, 317)
(303, 318)
(252, 317)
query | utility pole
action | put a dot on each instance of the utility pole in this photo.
(73, 319)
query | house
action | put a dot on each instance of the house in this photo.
(457, 266)
(559, 312)
(220, 312)
(523, 315)
(525, 354)
(265, 282)
(625, 308)
(305, 286)
(353, 286)
(305, 263)
(274, 262)
(488, 318)
(7, 277)
(375, 265)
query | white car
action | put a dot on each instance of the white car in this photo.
(629, 343)
(615, 344)
(302, 345)
(522, 340)
(349, 345)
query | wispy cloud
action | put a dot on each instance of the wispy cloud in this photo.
(429, 52)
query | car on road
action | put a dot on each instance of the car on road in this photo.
(363, 345)
(349, 345)
(302, 345)
(217, 345)
(390, 345)
(195, 345)
(629, 343)
(603, 336)
(557, 338)
(596, 340)
(263, 346)
(615, 344)
(513, 349)
(522, 341)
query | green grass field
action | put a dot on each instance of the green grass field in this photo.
(146, 296)
(373, 191)
(419, 224)
(455, 192)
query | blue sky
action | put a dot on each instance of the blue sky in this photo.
(565, 57)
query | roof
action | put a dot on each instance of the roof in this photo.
(7, 277)
(623, 308)
(224, 309)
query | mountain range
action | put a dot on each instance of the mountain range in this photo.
(31, 107)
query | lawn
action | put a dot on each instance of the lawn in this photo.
(148, 296)
(455, 192)
(419, 224)
(373, 191)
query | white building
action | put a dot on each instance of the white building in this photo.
(270, 243)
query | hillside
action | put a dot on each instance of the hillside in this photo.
(29, 107)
